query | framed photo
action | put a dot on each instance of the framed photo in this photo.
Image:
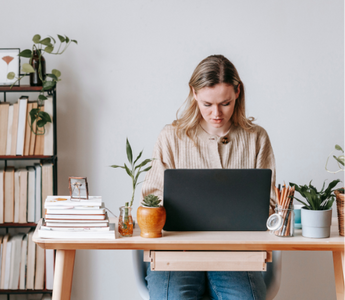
(9, 62)
(78, 188)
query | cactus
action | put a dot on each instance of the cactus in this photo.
(151, 201)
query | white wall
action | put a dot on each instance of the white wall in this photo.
(129, 75)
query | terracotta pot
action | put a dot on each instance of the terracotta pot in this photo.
(151, 221)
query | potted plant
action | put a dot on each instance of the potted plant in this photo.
(134, 170)
(38, 76)
(151, 217)
(316, 213)
(339, 193)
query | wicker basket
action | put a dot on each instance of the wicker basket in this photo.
(340, 210)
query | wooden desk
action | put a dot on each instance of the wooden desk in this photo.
(247, 241)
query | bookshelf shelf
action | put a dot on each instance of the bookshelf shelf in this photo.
(17, 225)
(28, 157)
(21, 88)
(26, 292)
(13, 159)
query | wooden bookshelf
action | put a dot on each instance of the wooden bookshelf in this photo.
(21, 88)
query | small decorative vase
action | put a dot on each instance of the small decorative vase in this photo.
(151, 221)
(340, 210)
(125, 225)
(34, 77)
(316, 223)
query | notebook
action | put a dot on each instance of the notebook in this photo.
(216, 199)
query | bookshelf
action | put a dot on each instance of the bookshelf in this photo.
(6, 160)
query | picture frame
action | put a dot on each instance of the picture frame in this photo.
(9, 62)
(78, 188)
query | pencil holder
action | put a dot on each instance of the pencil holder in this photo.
(288, 221)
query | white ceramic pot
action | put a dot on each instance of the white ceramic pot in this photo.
(316, 223)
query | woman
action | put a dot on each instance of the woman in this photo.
(211, 132)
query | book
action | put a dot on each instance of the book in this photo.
(31, 195)
(16, 254)
(23, 263)
(77, 234)
(9, 130)
(23, 105)
(75, 211)
(2, 195)
(14, 128)
(76, 229)
(23, 195)
(7, 272)
(27, 130)
(56, 201)
(49, 217)
(39, 271)
(47, 181)
(31, 262)
(76, 224)
(3, 260)
(49, 272)
(1, 246)
(16, 195)
(4, 107)
(9, 195)
(33, 135)
(38, 198)
(49, 134)
(39, 145)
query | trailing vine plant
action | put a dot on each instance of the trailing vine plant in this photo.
(41, 46)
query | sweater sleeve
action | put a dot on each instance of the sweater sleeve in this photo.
(163, 159)
(265, 160)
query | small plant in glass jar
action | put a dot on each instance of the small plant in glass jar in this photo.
(134, 169)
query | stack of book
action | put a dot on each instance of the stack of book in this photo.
(16, 136)
(23, 265)
(71, 218)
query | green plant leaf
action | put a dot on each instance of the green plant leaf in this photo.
(138, 157)
(337, 147)
(61, 38)
(129, 151)
(11, 75)
(115, 166)
(25, 53)
(27, 68)
(57, 73)
(128, 171)
(67, 39)
(52, 39)
(34, 114)
(47, 85)
(74, 41)
(340, 159)
(45, 41)
(145, 162)
(328, 191)
(36, 38)
(44, 116)
(49, 49)
(41, 123)
(52, 76)
(42, 97)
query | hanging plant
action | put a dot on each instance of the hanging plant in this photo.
(41, 46)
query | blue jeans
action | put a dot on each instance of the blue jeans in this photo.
(168, 285)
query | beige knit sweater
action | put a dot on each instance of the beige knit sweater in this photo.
(245, 150)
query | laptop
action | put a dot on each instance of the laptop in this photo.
(216, 199)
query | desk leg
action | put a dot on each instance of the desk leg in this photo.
(338, 262)
(63, 275)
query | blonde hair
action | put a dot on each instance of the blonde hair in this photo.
(213, 70)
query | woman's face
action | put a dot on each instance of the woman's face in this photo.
(216, 105)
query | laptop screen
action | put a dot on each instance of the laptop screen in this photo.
(216, 199)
